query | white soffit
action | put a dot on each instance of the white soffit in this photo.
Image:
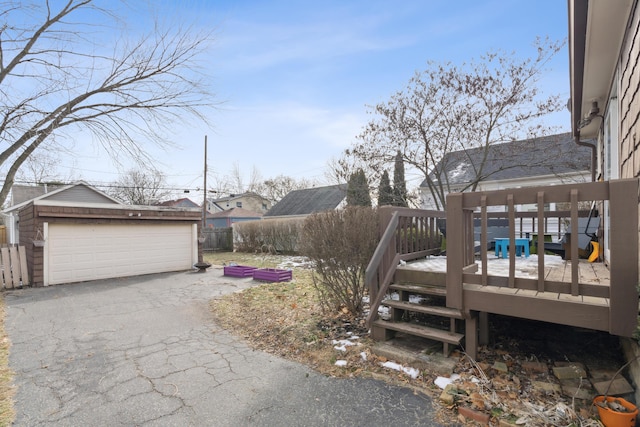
(606, 26)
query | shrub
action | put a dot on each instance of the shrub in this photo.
(340, 245)
(279, 235)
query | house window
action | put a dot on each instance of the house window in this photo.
(264, 206)
(238, 204)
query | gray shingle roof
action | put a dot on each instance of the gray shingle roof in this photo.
(235, 213)
(309, 200)
(549, 155)
(22, 193)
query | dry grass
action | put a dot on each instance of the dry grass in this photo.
(287, 320)
(7, 412)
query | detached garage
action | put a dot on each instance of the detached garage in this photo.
(89, 240)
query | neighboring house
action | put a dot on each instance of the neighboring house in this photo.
(179, 203)
(230, 217)
(77, 233)
(21, 193)
(548, 160)
(250, 201)
(300, 203)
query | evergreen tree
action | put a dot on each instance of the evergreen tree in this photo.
(358, 190)
(399, 184)
(385, 192)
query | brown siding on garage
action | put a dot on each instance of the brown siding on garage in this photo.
(27, 227)
(32, 217)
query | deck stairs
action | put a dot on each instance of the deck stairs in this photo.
(420, 311)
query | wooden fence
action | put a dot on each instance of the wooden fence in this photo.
(13, 267)
(218, 239)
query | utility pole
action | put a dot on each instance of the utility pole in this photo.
(201, 265)
(204, 203)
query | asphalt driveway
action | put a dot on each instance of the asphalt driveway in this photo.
(144, 352)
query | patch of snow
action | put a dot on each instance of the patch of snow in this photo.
(342, 363)
(294, 261)
(412, 372)
(384, 312)
(363, 355)
(415, 299)
(525, 267)
(443, 382)
(341, 345)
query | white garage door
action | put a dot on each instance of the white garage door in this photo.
(80, 252)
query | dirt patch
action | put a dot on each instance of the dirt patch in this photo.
(512, 381)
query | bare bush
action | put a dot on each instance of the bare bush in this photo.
(340, 245)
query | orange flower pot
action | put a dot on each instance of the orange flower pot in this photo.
(611, 418)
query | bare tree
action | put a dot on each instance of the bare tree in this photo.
(137, 187)
(457, 108)
(43, 167)
(53, 82)
(235, 183)
(277, 187)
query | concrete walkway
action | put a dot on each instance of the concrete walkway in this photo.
(144, 352)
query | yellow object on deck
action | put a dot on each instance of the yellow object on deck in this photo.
(595, 253)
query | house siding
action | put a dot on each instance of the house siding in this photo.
(629, 66)
(32, 217)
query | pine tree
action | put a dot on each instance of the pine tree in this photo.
(358, 190)
(399, 184)
(385, 192)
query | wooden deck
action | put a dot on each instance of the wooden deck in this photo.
(595, 274)
(546, 288)
(589, 309)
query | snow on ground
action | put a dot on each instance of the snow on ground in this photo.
(412, 372)
(525, 267)
(341, 345)
(294, 261)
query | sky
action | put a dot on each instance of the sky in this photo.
(294, 79)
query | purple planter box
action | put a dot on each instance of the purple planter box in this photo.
(239, 270)
(272, 275)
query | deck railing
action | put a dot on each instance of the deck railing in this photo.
(622, 199)
(408, 234)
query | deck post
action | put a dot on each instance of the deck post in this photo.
(455, 250)
(471, 334)
(623, 202)
(484, 327)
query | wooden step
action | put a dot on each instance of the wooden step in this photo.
(425, 309)
(420, 289)
(421, 331)
(411, 275)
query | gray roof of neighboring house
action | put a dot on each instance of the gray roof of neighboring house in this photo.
(236, 196)
(235, 213)
(309, 200)
(549, 155)
(22, 193)
(184, 202)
